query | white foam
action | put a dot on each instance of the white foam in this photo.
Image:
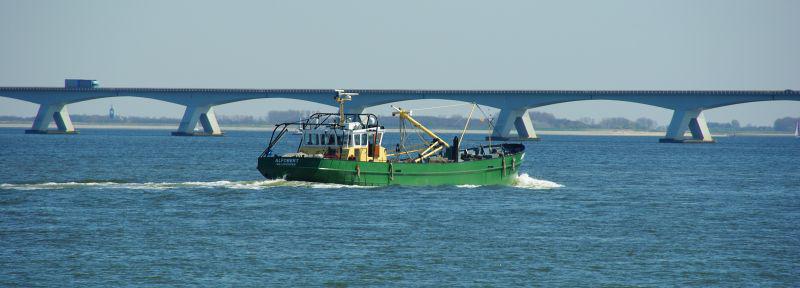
(54, 185)
(468, 186)
(527, 182)
(521, 181)
(222, 184)
(248, 185)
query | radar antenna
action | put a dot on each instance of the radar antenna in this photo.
(340, 98)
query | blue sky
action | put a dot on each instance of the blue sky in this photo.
(408, 45)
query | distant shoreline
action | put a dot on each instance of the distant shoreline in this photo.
(604, 132)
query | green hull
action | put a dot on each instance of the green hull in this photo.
(497, 171)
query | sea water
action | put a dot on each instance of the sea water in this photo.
(140, 207)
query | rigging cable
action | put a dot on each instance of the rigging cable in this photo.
(468, 118)
(491, 125)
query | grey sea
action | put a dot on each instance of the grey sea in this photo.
(141, 208)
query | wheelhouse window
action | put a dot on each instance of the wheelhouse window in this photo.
(375, 138)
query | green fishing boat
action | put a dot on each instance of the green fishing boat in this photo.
(348, 149)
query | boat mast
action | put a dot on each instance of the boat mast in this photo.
(340, 98)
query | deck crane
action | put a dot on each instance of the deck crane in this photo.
(434, 147)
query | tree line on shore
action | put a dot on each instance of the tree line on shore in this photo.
(542, 120)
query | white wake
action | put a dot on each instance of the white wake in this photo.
(468, 186)
(527, 182)
(223, 184)
(521, 181)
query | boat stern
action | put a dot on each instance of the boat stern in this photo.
(273, 167)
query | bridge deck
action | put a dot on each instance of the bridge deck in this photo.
(513, 104)
(123, 90)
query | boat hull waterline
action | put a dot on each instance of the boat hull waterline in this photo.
(495, 171)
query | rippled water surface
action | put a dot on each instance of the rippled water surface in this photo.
(128, 207)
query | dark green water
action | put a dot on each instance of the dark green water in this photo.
(127, 207)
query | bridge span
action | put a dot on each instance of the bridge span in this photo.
(687, 105)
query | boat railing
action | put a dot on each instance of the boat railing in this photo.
(322, 120)
(274, 139)
(327, 119)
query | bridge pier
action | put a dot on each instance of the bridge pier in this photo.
(694, 121)
(48, 113)
(517, 118)
(202, 114)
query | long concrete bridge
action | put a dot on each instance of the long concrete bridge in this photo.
(688, 106)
